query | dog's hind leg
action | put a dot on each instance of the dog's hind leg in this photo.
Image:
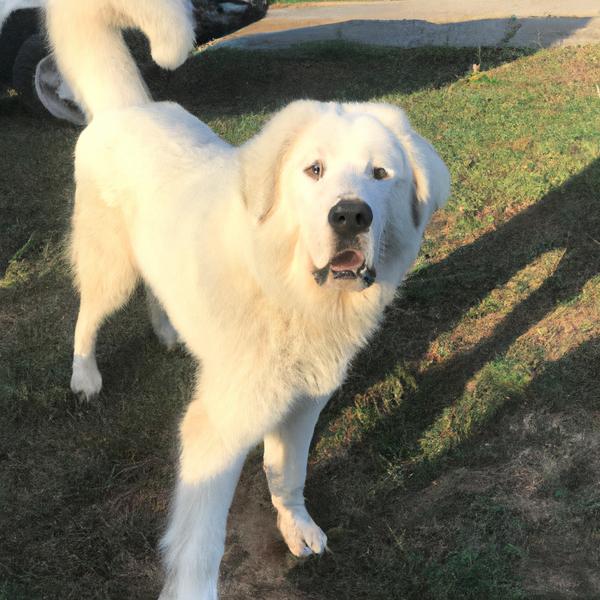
(105, 275)
(285, 458)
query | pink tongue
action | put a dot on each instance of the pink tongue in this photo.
(348, 260)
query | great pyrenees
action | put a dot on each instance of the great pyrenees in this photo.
(273, 261)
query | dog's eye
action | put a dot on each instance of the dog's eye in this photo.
(315, 171)
(380, 173)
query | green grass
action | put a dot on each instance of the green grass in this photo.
(460, 459)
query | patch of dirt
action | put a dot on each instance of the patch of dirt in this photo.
(256, 558)
(557, 567)
(555, 476)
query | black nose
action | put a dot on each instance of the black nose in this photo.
(349, 217)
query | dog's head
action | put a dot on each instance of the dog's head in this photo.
(341, 192)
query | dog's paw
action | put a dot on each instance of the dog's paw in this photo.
(301, 534)
(86, 381)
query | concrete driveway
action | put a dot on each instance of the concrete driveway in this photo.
(410, 23)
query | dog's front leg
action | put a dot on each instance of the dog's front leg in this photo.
(225, 419)
(195, 539)
(285, 458)
(210, 463)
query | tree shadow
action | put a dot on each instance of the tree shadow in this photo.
(229, 82)
(554, 409)
(567, 218)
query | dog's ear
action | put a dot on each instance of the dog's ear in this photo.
(262, 157)
(430, 174)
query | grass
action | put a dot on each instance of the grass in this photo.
(460, 459)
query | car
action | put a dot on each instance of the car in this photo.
(27, 67)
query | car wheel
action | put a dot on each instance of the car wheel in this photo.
(16, 29)
(23, 75)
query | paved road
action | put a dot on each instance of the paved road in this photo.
(410, 23)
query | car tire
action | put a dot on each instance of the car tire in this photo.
(16, 29)
(23, 75)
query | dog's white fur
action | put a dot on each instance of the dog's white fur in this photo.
(229, 239)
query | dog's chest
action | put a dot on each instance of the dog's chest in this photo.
(315, 356)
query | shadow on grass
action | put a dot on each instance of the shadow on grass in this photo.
(231, 82)
(435, 300)
(567, 218)
(463, 538)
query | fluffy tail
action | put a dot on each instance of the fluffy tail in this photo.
(90, 52)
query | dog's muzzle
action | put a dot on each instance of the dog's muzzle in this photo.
(348, 264)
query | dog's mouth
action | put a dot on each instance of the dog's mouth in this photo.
(348, 264)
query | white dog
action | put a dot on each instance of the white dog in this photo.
(273, 261)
